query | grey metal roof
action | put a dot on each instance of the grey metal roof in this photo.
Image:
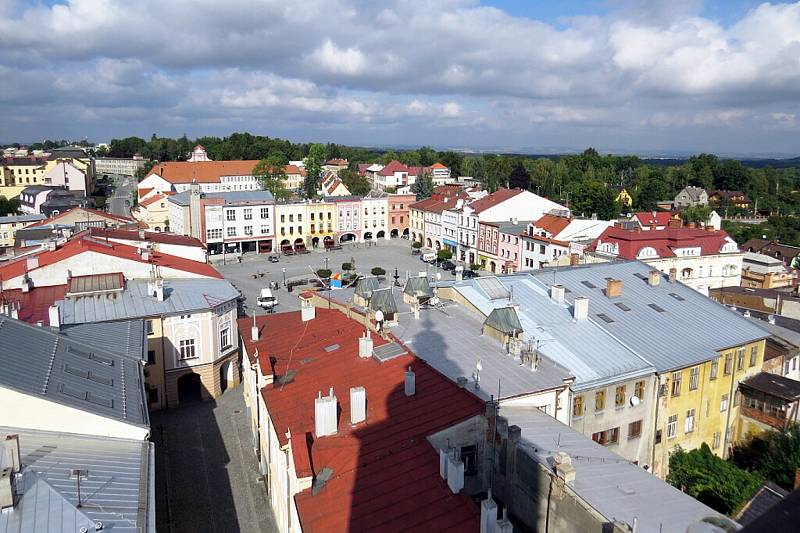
(613, 486)
(765, 498)
(417, 287)
(504, 320)
(365, 286)
(775, 385)
(40, 362)
(231, 197)
(125, 337)
(119, 489)
(181, 296)
(514, 228)
(449, 338)
(670, 325)
(383, 299)
(592, 355)
(21, 218)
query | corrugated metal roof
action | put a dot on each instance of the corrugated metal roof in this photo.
(21, 218)
(586, 350)
(615, 487)
(181, 296)
(231, 197)
(383, 299)
(417, 287)
(365, 286)
(691, 328)
(118, 490)
(40, 362)
(125, 337)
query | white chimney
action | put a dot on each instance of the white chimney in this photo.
(653, 278)
(557, 293)
(358, 405)
(11, 462)
(51, 245)
(771, 319)
(488, 514)
(145, 255)
(307, 310)
(504, 525)
(141, 234)
(443, 456)
(325, 422)
(26, 283)
(15, 311)
(55, 316)
(455, 474)
(411, 383)
(580, 308)
(254, 332)
(159, 290)
(11, 453)
(365, 343)
(746, 313)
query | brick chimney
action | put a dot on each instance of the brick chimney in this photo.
(653, 278)
(673, 274)
(574, 259)
(614, 288)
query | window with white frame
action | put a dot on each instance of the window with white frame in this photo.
(672, 427)
(187, 349)
(694, 377)
(225, 335)
(248, 213)
(265, 212)
(231, 231)
(723, 403)
(248, 230)
(230, 215)
(688, 424)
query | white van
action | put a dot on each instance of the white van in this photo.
(429, 257)
(266, 300)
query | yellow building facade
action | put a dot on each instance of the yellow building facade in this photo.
(700, 403)
(10, 224)
(304, 223)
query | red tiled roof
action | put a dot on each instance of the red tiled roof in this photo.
(650, 218)
(291, 169)
(153, 199)
(84, 243)
(664, 241)
(385, 473)
(362, 168)
(392, 167)
(152, 236)
(144, 191)
(337, 162)
(202, 171)
(552, 224)
(497, 197)
(438, 165)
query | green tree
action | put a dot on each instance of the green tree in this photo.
(696, 213)
(652, 190)
(9, 207)
(271, 173)
(317, 155)
(347, 267)
(593, 197)
(423, 186)
(378, 271)
(357, 185)
(712, 480)
(519, 177)
(444, 254)
(416, 244)
(324, 273)
(774, 455)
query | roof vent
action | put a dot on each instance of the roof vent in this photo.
(653, 278)
(410, 383)
(557, 293)
(358, 405)
(365, 345)
(488, 514)
(455, 474)
(563, 467)
(325, 414)
(746, 313)
(580, 308)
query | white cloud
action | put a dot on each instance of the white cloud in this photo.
(331, 58)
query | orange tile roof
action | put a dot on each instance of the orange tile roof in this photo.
(153, 199)
(202, 171)
(144, 191)
(385, 473)
(552, 224)
(438, 165)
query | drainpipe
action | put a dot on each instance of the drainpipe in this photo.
(730, 405)
(655, 422)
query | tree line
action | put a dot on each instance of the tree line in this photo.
(588, 182)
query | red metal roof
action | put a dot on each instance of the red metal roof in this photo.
(392, 167)
(385, 473)
(84, 243)
(631, 242)
(653, 218)
(152, 236)
(34, 305)
(497, 197)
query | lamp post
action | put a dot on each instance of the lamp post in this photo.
(284, 276)
(326, 263)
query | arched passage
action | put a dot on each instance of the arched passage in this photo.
(226, 377)
(394, 233)
(429, 243)
(438, 246)
(347, 237)
(189, 388)
(492, 266)
(368, 236)
(381, 235)
(315, 242)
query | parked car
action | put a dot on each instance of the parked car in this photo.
(447, 265)
(273, 259)
(467, 274)
(266, 300)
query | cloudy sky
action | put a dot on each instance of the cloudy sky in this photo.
(644, 76)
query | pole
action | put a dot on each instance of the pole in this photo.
(284, 276)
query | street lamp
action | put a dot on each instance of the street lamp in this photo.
(284, 276)
(326, 263)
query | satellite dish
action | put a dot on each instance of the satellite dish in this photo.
(378, 316)
(635, 401)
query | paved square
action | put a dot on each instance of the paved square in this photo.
(207, 477)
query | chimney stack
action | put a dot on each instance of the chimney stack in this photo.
(673, 274)
(614, 288)
(11, 452)
(574, 259)
(564, 468)
(325, 420)
(307, 309)
(653, 278)
(580, 308)
(10, 449)
(455, 474)
(358, 405)
(557, 293)
(159, 290)
(410, 383)
(771, 319)
(254, 330)
(488, 514)
(365, 344)
(54, 315)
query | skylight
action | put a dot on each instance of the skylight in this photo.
(656, 307)
(677, 296)
(589, 284)
(622, 306)
(605, 318)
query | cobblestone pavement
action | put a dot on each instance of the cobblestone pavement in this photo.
(207, 477)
